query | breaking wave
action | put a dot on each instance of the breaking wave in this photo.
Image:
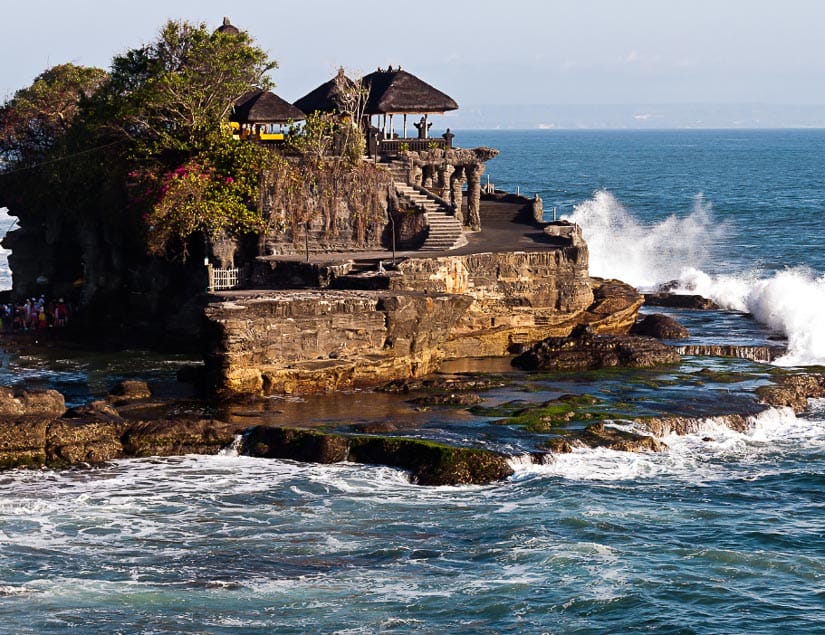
(791, 301)
(6, 223)
(712, 453)
(644, 255)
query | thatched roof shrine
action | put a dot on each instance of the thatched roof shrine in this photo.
(329, 96)
(396, 91)
(263, 106)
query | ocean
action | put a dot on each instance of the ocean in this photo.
(724, 532)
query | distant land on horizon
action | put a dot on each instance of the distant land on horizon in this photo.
(634, 116)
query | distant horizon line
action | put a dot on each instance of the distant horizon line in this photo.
(645, 129)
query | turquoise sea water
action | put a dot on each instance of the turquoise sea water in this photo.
(722, 533)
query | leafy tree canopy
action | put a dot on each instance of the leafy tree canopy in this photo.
(173, 94)
(36, 118)
(142, 140)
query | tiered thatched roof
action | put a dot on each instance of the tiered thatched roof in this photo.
(263, 106)
(396, 91)
(328, 97)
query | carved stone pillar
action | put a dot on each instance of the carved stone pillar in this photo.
(474, 172)
(427, 177)
(445, 172)
(416, 175)
(538, 209)
(456, 195)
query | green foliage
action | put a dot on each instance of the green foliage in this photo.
(197, 197)
(37, 117)
(151, 132)
(173, 94)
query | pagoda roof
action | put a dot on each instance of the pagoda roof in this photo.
(263, 106)
(397, 91)
(328, 97)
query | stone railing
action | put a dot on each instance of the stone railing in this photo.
(394, 147)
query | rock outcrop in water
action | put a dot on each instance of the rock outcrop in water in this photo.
(680, 301)
(793, 391)
(429, 463)
(764, 354)
(451, 307)
(36, 430)
(660, 326)
(585, 350)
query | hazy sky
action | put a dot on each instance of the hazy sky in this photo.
(490, 52)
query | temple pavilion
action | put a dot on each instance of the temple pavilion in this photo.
(388, 93)
(261, 115)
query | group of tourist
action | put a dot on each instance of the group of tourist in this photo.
(34, 314)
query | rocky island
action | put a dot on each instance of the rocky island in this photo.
(335, 255)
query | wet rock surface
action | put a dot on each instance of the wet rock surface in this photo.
(429, 463)
(680, 301)
(584, 350)
(793, 391)
(764, 354)
(599, 435)
(660, 326)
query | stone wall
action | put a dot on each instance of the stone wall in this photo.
(318, 341)
(517, 297)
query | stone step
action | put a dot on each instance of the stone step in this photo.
(444, 230)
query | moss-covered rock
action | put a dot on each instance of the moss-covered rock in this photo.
(429, 463)
(432, 463)
(299, 445)
(550, 416)
(178, 436)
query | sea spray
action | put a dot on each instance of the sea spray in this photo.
(7, 223)
(791, 302)
(644, 255)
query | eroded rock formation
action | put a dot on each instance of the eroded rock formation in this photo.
(472, 305)
(585, 350)
(319, 341)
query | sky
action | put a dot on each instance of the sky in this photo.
(508, 63)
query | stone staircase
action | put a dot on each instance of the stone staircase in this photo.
(445, 230)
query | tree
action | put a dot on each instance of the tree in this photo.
(171, 99)
(37, 117)
(174, 93)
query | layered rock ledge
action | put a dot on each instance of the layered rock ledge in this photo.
(585, 350)
(36, 430)
(432, 309)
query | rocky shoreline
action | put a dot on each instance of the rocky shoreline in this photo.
(38, 431)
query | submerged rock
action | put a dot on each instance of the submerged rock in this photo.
(660, 326)
(430, 463)
(584, 350)
(793, 391)
(680, 301)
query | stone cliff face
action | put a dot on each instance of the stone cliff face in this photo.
(318, 341)
(485, 304)
(522, 297)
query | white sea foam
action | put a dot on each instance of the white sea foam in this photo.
(6, 223)
(791, 302)
(708, 455)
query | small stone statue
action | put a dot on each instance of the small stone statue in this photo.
(423, 127)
